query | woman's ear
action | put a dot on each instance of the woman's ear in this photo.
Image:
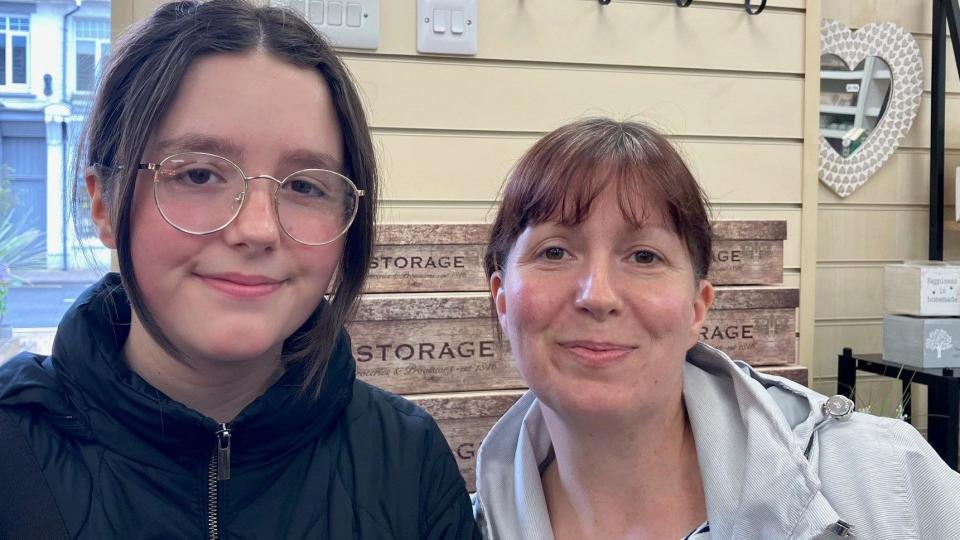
(702, 301)
(499, 297)
(98, 208)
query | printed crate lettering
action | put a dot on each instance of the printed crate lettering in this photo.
(428, 257)
(412, 345)
(755, 325)
(465, 420)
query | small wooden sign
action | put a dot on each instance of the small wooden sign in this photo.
(415, 344)
(449, 257)
(465, 420)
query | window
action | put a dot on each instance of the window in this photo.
(14, 37)
(92, 44)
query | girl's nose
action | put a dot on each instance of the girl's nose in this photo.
(257, 225)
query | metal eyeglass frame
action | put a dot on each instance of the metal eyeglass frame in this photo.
(155, 167)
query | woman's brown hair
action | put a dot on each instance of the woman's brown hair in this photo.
(565, 171)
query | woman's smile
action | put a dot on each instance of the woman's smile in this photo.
(597, 354)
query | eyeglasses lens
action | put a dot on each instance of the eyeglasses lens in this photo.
(201, 193)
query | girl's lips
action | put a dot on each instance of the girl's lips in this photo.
(241, 290)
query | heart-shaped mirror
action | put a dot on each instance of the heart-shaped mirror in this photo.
(870, 90)
(852, 101)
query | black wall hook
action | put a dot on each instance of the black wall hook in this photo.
(746, 5)
(750, 10)
(604, 2)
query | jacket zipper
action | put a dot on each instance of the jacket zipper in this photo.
(217, 471)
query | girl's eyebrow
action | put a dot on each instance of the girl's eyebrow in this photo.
(192, 142)
(300, 158)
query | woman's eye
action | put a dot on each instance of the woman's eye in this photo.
(554, 253)
(645, 256)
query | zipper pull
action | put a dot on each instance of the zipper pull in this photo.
(223, 453)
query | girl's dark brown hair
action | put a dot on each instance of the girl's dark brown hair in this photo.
(566, 170)
(139, 83)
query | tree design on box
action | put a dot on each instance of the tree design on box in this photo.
(939, 340)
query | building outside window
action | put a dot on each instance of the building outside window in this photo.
(92, 46)
(14, 40)
(51, 54)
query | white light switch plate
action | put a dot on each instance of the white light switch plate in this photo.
(447, 26)
(353, 24)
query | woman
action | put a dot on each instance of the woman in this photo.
(208, 390)
(631, 429)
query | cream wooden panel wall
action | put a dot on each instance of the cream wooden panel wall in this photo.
(728, 88)
(883, 222)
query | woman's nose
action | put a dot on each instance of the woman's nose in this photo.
(598, 294)
(256, 226)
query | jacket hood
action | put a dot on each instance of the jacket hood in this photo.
(86, 388)
(751, 432)
(757, 480)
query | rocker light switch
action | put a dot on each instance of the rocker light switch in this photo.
(353, 24)
(447, 26)
(457, 23)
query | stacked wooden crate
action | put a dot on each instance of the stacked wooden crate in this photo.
(425, 327)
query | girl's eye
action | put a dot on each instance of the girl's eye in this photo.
(305, 187)
(554, 253)
(199, 176)
(645, 256)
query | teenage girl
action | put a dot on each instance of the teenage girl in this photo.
(208, 389)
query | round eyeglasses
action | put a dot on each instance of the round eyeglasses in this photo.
(200, 193)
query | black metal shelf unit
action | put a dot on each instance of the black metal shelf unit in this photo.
(943, 397)
(945, 13)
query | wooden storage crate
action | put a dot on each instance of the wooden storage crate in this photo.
(465, 419)
(449, 257)
(416, 344)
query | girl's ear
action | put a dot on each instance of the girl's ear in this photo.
(98, 208)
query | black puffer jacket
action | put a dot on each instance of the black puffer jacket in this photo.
(125, 461)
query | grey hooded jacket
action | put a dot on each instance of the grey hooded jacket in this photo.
(774, 465)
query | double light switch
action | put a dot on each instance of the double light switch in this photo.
(447, 26)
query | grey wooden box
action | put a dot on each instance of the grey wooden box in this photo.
(926, 342)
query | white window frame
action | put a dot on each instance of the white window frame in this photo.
(98, 42)
(7, 85)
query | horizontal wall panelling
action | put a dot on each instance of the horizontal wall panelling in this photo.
(539, 99)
